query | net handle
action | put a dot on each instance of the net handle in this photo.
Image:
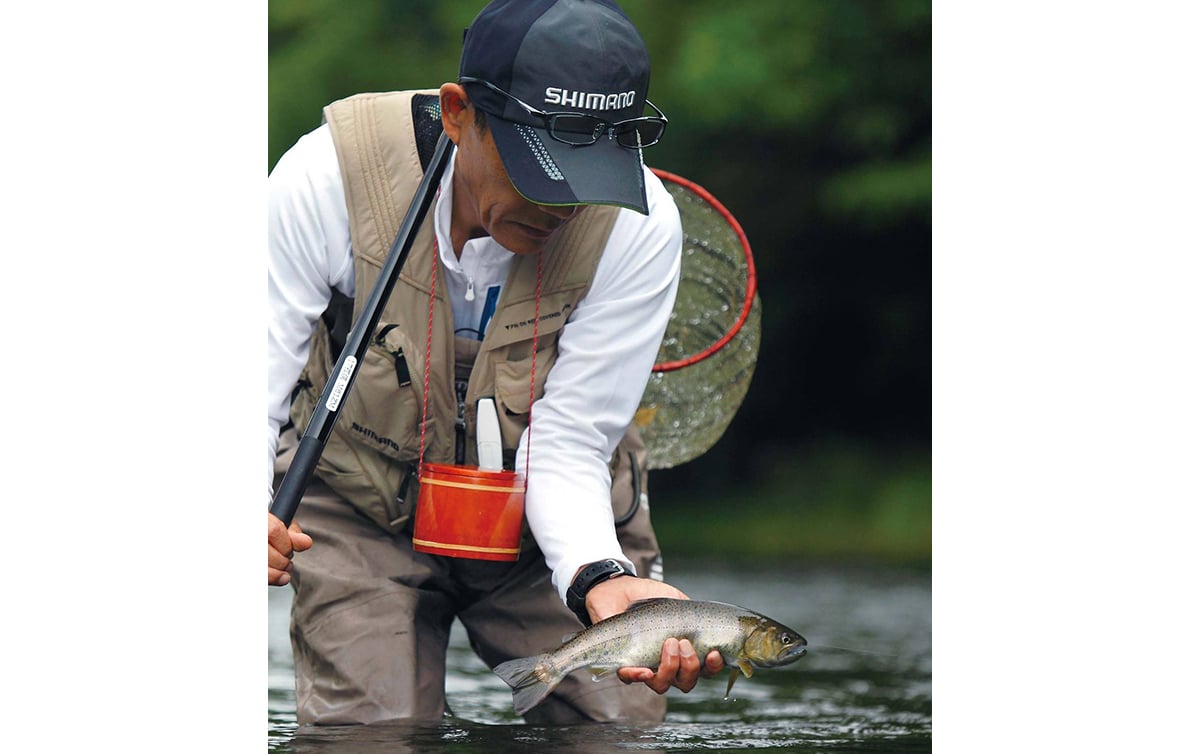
(751, 276)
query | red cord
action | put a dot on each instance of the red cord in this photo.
(428, 354)
(537, 303)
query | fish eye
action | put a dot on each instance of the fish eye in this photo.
(786, 639)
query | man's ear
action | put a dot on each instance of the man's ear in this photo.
(457, 111)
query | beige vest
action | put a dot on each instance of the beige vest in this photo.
(372, 453)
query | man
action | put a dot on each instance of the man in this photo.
(545, 214)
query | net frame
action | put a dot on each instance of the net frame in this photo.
(700, 376)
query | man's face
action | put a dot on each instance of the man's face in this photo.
(486, 200)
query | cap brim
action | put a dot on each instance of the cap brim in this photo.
(547, 171)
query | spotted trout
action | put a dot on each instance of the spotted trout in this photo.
(634, 638)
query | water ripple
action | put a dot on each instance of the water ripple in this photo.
(875, 696)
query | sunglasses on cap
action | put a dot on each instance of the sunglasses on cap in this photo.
(581, 130)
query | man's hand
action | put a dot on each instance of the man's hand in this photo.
(281, 543)
(679, 666)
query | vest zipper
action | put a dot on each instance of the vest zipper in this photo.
(470, 289)
(460, 424)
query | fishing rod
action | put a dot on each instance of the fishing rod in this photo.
(324, 416)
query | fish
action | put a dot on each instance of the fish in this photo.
(634, 638)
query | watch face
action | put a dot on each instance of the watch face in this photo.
(588, 578)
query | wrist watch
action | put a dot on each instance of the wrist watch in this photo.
(593, 574)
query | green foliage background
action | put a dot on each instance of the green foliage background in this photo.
(811, 121)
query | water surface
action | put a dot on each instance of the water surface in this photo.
(871, 694)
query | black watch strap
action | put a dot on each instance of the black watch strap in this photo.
(602, 570)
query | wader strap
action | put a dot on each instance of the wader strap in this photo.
(427, 126)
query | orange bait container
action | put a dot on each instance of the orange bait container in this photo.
(464, 512)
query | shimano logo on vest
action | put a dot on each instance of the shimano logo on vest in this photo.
(589, 100)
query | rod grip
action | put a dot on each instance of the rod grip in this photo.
(295, 480)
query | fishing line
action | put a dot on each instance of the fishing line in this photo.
(850, 649)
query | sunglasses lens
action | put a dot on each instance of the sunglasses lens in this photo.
(643, 132)
(576, 129)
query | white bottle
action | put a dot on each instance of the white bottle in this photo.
(487, 436)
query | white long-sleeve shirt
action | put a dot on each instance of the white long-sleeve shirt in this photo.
(606, 349)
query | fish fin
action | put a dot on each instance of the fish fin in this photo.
(733, 676)
(529, 679)
(747, 668)
(567, 637)
(598, 673)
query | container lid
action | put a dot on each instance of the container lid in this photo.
(465, 473)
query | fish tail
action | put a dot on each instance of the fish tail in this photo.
(531, 680)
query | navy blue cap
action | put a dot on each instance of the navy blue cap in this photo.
(581, 56)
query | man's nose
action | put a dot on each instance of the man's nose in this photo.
(563, 213)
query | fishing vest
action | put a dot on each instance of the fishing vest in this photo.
(384, 143)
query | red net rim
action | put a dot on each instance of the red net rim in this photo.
(751, 276)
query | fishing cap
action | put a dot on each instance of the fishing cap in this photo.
(560, 56)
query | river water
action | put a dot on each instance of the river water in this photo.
(865, 685)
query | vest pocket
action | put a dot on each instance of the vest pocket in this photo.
(369, 488)
(512, 392)
(383, 407)
(375, 442)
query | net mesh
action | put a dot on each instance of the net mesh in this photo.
(684, 411)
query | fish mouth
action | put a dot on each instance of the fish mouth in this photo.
(800, 648)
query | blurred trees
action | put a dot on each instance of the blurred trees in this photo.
(810, 120)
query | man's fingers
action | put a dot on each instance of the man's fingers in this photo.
(713, 663)
(282, 542)
(678, 666)
(635, 675)
(278, 536)
(300, 542)
(277, 560)
(276, 577)
(668, 667)
(689, 667)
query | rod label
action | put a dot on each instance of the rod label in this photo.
(339, 385)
